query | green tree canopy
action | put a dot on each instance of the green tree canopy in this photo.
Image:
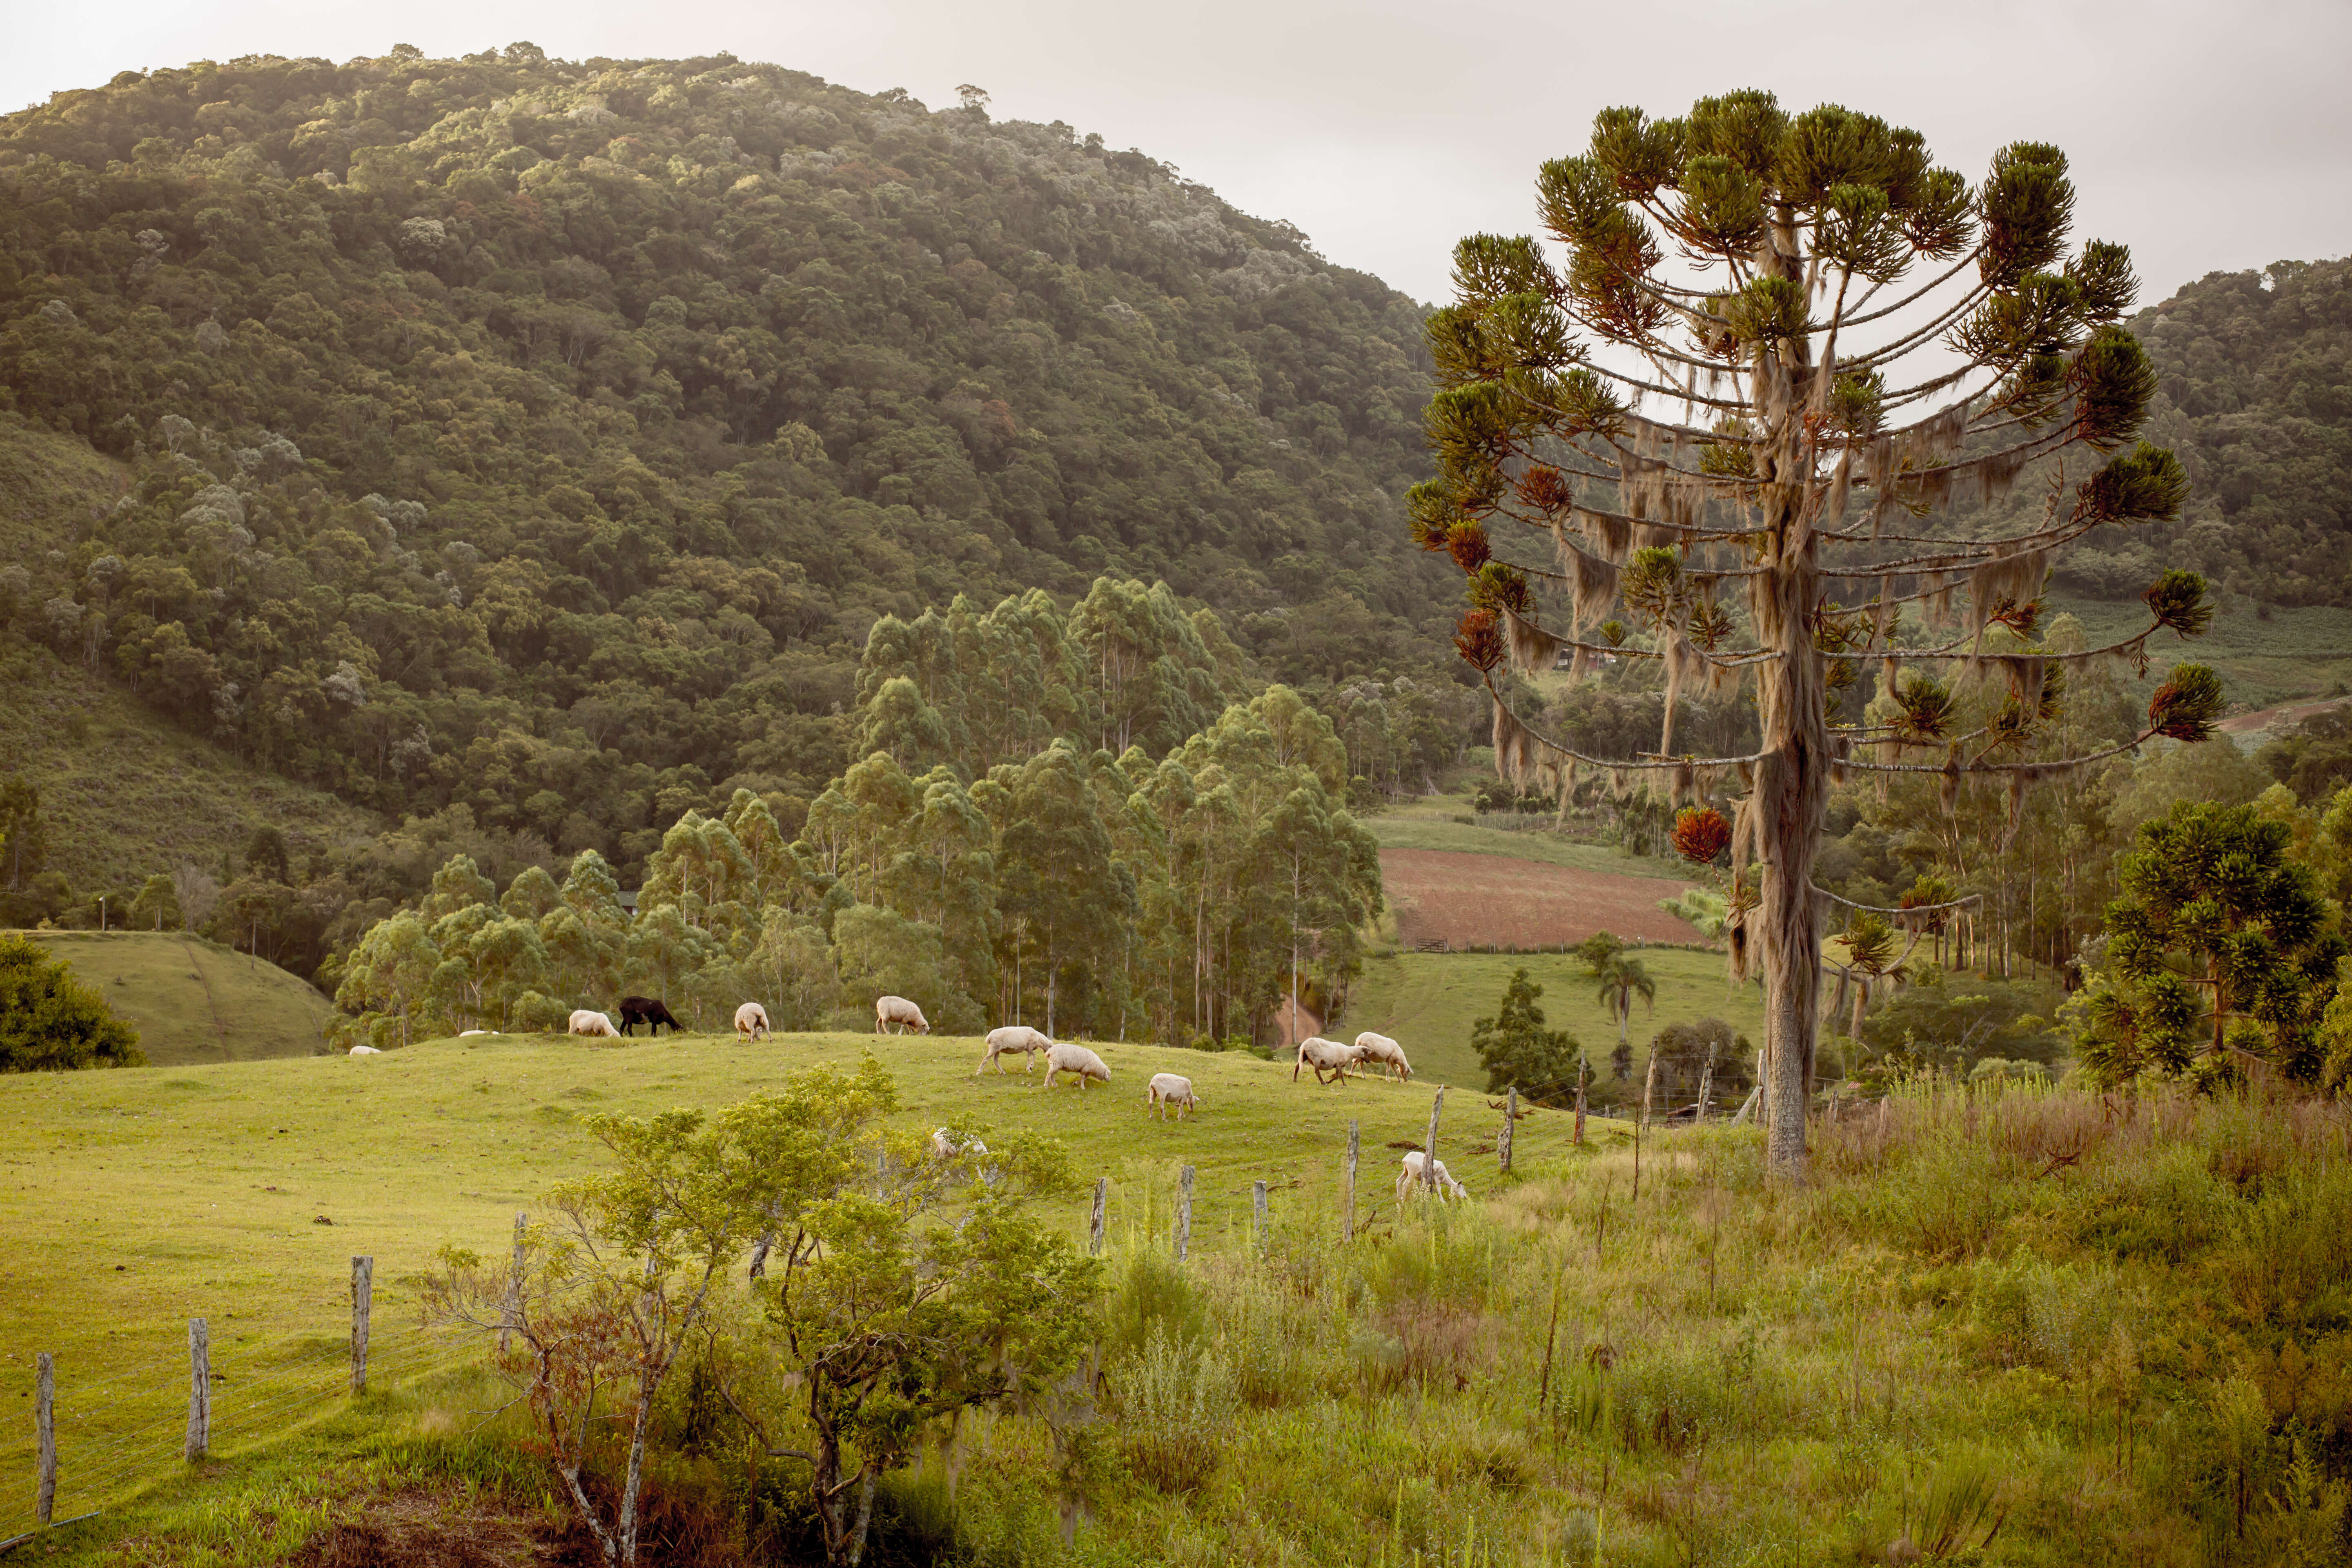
(49, 1021)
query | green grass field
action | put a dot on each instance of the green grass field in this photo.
(1428, 1001)
(193, 1000)
(2304, 651)
(136, 1199)
(1426, 822)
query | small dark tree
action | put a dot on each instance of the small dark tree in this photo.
(2223, 951)
(1746, 428)
(24, 837)
(1518, 1050)
(51, 1022)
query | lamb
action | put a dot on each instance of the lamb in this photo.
(588, 1021)
(1415, 1172)
(366, 1052)
(1062, 1056)
(1326, 1057)
(1380, 1048)
(888, 1010)
(751, 1019)
(1003, 1042)
(1166, 1090)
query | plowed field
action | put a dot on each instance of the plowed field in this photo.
(1479, 899)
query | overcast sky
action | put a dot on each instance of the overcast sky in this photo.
(2206, 136)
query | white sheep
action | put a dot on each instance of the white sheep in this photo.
(889, 1010)
(1166, 1090)
(1062, 1056)
(469, 1034)
(1387, 1052)
(1012, 1037)
(1416, 1170)
(588, 1021)
(365, 1051)
(751, 1019)
(1330, 1059)
(946, 1145)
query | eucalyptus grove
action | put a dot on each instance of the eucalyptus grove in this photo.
(1780, 412)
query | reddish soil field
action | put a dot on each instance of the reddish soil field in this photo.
(1461, 900)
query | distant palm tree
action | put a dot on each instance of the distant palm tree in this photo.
(1621, 978)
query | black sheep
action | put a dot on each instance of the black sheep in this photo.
(647, 1011)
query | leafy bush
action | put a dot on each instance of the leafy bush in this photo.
(49, 1021)
(1177, 1401)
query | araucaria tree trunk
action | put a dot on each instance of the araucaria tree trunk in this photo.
(1722, 451)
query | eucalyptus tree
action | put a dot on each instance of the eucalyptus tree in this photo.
(1774, 348)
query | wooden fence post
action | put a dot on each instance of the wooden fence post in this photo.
(200, 1391)
(1258, 1213)
(1429, 1146)
(1352, 1145)
(1510, 1120)
(45, 1429)
(1184, 1212)
(362, 1298)
(514, 1287)
(1094, 1225)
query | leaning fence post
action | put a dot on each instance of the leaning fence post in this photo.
(514, 1288)
(1184, 1212)
(1352, 1145)
(200, 1390)
(1094, 1225)
(1510, 1120)
(362, 1298)
(1429, 1148)
(45, 1426)
(1258, 1213)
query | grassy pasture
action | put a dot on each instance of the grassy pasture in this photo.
(1428, 1001)
(193, 999)
(138, 1198)
(1426, 822)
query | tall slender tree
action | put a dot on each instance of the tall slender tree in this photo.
(1782, 409)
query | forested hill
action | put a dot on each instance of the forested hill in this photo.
(2255, 396)
(484, 419)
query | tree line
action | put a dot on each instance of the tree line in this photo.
(975, 861)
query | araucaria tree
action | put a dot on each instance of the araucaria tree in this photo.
(1774, 349)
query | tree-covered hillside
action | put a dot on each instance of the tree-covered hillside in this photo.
(543, 438)
(2255, 397)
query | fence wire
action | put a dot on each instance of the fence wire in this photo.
(127, 1429)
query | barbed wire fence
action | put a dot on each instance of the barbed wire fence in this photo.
(86, 1443)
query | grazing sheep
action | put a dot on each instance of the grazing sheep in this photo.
(1387, 1052)
(1166, 1090)
(1330, 1059)
(1063, 1057)
(648, 1010)
(946, 1145)
(588, 1021)
(889, 1010)
(751, 1019)
(1416, 1168)
(365, 1051)
(469, 1034)
(1003, 1042)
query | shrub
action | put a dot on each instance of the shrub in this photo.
(1177, 1404)
(49, 1021)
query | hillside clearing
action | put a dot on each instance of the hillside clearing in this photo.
(193, 999)
(1482, 899)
